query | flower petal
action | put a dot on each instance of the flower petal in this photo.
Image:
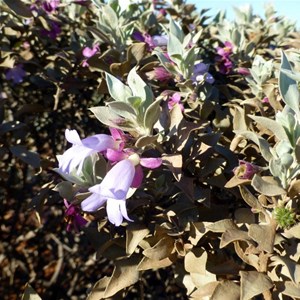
(151, 162)
(113, 211)
(99, 142)
(72, 137)
(124, 211)
(115, 155)
(73, 157)
(117, 181)
(93, 202)
(138, 177)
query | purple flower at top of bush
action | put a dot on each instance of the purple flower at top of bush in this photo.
(112, 191)
(245, 170)
(75, 156)
(50, 5)
(199, 70)
(88, 53)
(265, 100)
(243, 71)
(223, 58)
(175, 99)
(73, 217)
(53, 32)
(151, 41)
(16, 74)
(225, 51)
(160, 74)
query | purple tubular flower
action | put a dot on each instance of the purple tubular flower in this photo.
(73, 217)
(137, 35)
(16, 74)
(175, 99)
(53, 32)
(199, 70)
(223, 58)
(160, 74)
(81, 149)
(89, 52)
(265, 100)
(245, 170)
(50, 5)
(112, 191)
(243, 71)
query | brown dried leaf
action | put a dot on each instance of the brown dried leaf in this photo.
(174, 163)
(197, 231)
(294, 189)
(200, 280)
(30, 293)
(135, 234)
(148, 263)
(254, 283)
(136, 51)
(294, 231)
(195, 261)
(205, 291)
(98, 289)
(289, 267)
(250, 199)
(226, 290)
(221, 226)
(290, 289)
(234, 181)
(8, 62)
(264, 235)
(19, 8)
(160, 250)
(125, 274)
(244, 215)
(233, 235)
(248, 258)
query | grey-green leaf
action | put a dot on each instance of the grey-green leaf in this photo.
(152, 115)
(265, 187)
(288, 87)
(271, 125)
(117, 89)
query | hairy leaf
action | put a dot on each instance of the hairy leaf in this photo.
(267, 185)
(254, 283)
(288, 87)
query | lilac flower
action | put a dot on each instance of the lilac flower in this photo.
(112, 191)
(81, 149)
(245, 170)
(148, 162)
(16, 74)
(73, 217)
(175, 99)
(199, 70)
(89, 52)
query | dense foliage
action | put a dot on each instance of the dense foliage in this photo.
(148, 150)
